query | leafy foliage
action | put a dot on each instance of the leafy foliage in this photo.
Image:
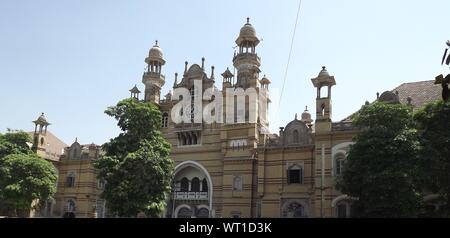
(433, 122)
(382, 165)
(136, 168)
(24, 176)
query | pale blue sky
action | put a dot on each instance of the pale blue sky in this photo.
(72, 59)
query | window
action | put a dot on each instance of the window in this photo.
(71, 206)
(195, 185)
(70, 182)
(342, 211)
(340, 165)
(203, 213)
(204, 185)
(100, 207)
(42, 141)
(295, 175)
(294, 210)
(100, 184)
(237, 183)
(165, 120)
(184, 185)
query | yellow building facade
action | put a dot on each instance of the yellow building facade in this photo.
(235, 169)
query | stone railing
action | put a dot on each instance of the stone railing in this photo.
(199, 196)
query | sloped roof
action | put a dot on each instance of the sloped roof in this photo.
(54, 146)
(421, 93)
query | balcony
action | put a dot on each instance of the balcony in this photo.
(191, 196)
(154, 75)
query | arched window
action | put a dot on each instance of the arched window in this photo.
(184, 185)
(185, 213)
(322, 110)
(295, 174)
(344, 209)
(204, 185)
(70, 182)
(71, 206)
(195, 185)
(194, 139)
(202, 213)
(294, 210)
(295, 137)
(188, 140)
(165, 120)
(42, 141)
(237, 183)
(183, 139)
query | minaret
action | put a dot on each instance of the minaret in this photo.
(323, 102)
(153, 79)
(40, 133)
(246, 61)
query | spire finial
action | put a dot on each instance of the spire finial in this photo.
(306, 108)
(212, 72)
(248, 20)
(295, 116)
(185, 66)
(156, 42)
(203, 62)
(176, 80)
(76, 139)
(324, 67)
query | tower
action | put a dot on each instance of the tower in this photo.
(323, 102)
(40, 133)
(152, 78)
(246, 61)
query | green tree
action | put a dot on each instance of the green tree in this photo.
(433, 123)
(136, 167)
(382, 165)
(24, 176)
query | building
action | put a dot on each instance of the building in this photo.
(78, 190)
(240, 170)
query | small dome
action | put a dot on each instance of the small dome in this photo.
(156, 54)
(324, 72)
(247, 33)
(306, 115)
(42, 120)
(265, 80)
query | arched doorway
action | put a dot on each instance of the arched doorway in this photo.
(192, 192)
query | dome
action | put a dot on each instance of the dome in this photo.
(247, 33)
(324, 72)
(42, 120)
(156, 54)
(306, 116)
(265, 80)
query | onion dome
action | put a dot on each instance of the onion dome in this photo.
(42, 120)
(155, 54)
(265, 80)
(247, 34)
(324, 72)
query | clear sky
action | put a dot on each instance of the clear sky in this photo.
(72, 59)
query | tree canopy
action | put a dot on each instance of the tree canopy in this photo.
(136, 167)
(24, 176)
(382, 165)
(433, 123)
